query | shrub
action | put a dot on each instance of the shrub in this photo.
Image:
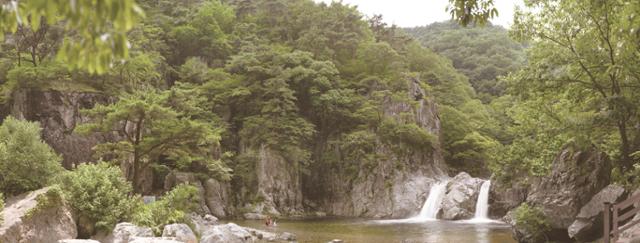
(532, 220)
(26, 162)
(409, 135)
(99, 194)
(172, 208)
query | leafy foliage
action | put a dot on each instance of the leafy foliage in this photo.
(99, 194)
(157, 126)
(472, 11)
(532, 220)
(174, 207)
(26, 162)
(578, 84)
(100, 27)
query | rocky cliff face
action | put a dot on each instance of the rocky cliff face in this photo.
(576, 176)
(394, 185)
(58, 114)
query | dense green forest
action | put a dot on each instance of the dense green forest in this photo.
(206, 85)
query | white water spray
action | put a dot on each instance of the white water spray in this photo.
(432, 205)
(482, 205)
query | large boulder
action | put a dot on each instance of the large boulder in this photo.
(226, 233)
(202, 224)
(216, 197)
(180, 232)
(25, 221)
(126, 232)
(175, 178)
(589, 222)
(461, 195)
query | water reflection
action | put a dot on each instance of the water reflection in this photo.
(370, 231)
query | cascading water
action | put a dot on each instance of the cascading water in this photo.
(482, 205)
(431, 207)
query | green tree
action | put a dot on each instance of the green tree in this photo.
(472, 11)
(99, 195)
(100, 27)
(157, 126)
(586, 52)
(26, 162)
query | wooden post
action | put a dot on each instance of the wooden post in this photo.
(615, 223)
(607, 222)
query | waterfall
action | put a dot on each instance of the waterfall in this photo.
(432, 205)
(482, 205)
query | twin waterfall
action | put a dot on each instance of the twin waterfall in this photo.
(431, 207)
(482, 205)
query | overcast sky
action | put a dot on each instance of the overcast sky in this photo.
(410, 13)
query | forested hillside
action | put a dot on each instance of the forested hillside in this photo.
(268, 98)
(158, 112)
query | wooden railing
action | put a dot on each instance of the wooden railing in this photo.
(618, 213)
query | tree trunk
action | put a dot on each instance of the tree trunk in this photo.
(625, 148)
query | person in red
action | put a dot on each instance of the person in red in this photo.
(268, 222)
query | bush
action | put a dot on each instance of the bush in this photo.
(532, 220)
(409, 135)
(172, 208)
(26, 162)
(100, 196)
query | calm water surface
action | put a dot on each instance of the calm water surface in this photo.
(373, 231)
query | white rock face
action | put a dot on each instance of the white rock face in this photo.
(202, 224)
(180, 232)
(126, 232)
(226, 233)
(460, 199)
(46, 225)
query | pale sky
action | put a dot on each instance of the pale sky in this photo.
(410, 13)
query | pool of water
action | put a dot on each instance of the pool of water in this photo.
(373, 231)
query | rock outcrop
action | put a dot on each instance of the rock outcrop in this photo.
(58, 114)
(229, 233)
(202, 224)
(394, 185)
(126, 232)
(25, 221)
(217, 197)
(461, 195)
(575, 177)
(589, 222)
(180, 232)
